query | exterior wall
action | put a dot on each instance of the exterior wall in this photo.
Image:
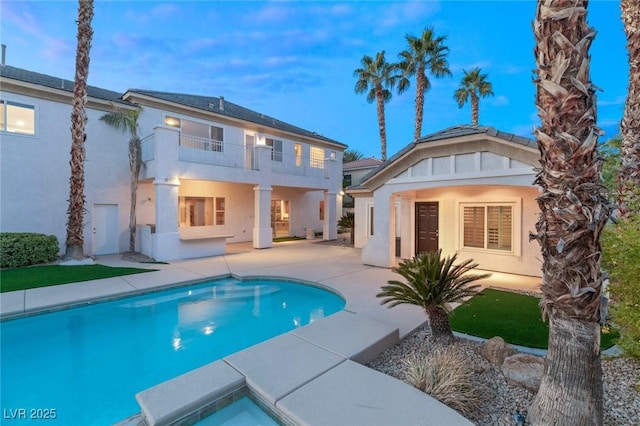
(35, 173)
(525, 260)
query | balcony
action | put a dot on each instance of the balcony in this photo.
(186, 155)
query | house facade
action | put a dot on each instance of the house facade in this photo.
(353, 172)
(466, 190)
(213, 171)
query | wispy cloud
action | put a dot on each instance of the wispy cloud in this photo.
(499, 100)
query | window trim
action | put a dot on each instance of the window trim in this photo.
(34, 107)
(516, 225)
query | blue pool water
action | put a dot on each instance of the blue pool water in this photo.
(84, 365)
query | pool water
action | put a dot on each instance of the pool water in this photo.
(84, 365)
(243, 412)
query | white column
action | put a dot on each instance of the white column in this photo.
(262, 232)
(330, 225)
(166, 240)
(380, 251)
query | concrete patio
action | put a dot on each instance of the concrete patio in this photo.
(313, 375)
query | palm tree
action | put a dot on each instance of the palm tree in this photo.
(574, 210)
(432, 283)
(348, 221)
(351, 155)
(127, 120)
(473, 85)
(629, 177)
(377, 78)
(75, 221)
(425, 54)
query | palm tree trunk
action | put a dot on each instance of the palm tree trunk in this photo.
(420, 90)
(135, 161)
(574, 210)
(572, 371)
(474, 109)
(629, 176)
(75, 224)
(381, 124)
(439, 324)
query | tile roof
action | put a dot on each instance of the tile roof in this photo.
(363, 163)
(44, 80)
(212, 104)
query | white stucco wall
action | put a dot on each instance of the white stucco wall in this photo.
(35, 173)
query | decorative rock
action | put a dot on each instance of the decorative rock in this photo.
(523, 370)
(495, 350)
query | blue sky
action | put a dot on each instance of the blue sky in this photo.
(295, 60)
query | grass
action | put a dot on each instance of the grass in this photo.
(49, 275)
(514, 317)
(282, 239)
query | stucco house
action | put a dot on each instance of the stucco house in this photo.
(213, 171)
(466, 190)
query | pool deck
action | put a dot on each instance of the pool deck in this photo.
(313, 375)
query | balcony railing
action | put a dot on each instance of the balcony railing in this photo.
(194, 149)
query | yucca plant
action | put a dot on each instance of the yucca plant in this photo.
(433, 282)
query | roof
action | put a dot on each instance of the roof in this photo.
(363, 163)
(454, 132)
(44, 80)
(229, 109)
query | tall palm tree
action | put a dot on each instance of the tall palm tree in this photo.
(432, 282)
(426, 53)
(377, 78)
(475, 86)
(574, 210)
(629, 177)
(75, 225)
(127, 121)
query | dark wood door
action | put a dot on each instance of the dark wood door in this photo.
(426, 227)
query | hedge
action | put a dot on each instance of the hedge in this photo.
(24, 249)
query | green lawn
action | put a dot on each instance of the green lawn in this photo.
(514, 317)
(44, 276)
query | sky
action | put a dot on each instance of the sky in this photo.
(295, 60)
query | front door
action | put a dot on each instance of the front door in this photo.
(426, 227)
(105, 228)
(280, 218)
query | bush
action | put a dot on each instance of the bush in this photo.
(621, 259)
(445, 375)
(24, 249)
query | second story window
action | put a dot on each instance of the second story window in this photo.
(317, 157)
(17, 118)
(197, 135)
(276, 152)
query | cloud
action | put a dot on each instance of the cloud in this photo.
(402, 12)
(499, 100)
(620, 100)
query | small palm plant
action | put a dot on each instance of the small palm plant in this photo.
(348, 221)
(432, 283)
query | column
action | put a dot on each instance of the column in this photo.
(330, 225)
(262, 232)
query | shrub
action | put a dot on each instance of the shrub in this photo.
(24, 249)
(445, 375)
(621, 258)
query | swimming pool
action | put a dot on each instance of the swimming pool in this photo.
(84, 365)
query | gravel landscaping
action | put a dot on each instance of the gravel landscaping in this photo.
(621, 382)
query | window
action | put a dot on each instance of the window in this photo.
(370, 220)
(317, 158)
(17, 118)
(276, 152)
(346, 181)
(488, 227)
(219, 211)
(297, 148)
(321, 210)
(199, 211)
(197, 135)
